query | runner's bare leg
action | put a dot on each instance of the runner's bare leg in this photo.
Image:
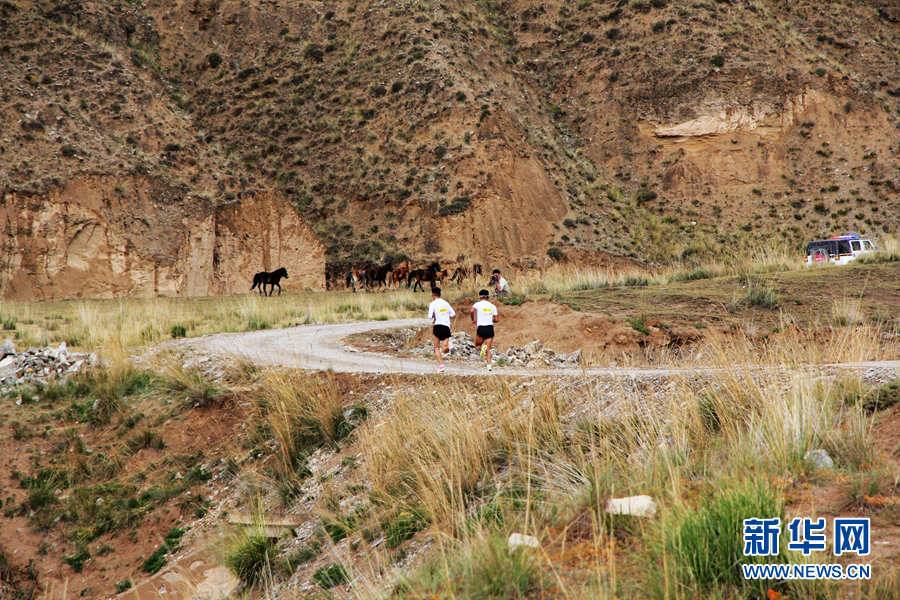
(437, 351)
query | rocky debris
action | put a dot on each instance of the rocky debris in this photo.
(532, 354)
(819, 459)
(42, 365)
(637, 506)
(517, 540)
(7, 348)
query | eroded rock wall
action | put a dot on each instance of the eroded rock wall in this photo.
(114, 237)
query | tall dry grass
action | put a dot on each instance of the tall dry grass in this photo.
(302, 412)
(118, 326)
(486, 461)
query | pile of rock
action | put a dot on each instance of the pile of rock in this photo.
(40, 365)
(532, 354)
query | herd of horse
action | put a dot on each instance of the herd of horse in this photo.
(387, 276)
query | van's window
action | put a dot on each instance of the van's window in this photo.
(855, 246)
(843, 247)
(868, 245)
(826, 247)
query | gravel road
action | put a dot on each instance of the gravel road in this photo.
(321, 347)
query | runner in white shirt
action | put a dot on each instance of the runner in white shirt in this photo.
(440, 312)
(484, 315)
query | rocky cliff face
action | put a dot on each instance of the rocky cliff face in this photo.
(657, 130)
(108, 237)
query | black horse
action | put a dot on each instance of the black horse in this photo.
(432, 274)
(274, 278)
(378, 275)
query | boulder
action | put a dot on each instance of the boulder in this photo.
(533, 348)
(517, 540)
(819, 459)
(575, 357)
(7, 367)
(7, 348)
(637, 506)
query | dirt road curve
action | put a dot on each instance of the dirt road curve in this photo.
(321, 347)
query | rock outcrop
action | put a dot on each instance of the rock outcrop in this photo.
(111, 237)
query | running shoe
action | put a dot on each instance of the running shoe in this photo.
(440, 369)
(483, 351)
(490, 368)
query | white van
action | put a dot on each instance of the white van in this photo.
(837, 250)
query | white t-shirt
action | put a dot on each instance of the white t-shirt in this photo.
(484, 313)
(502, 285)
(441, 311)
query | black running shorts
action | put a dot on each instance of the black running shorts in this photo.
(485, 331)
(441, 332)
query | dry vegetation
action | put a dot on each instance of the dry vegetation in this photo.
(449, 468)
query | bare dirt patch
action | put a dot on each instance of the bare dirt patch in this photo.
(557, 326)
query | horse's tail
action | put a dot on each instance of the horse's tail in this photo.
(255, 283)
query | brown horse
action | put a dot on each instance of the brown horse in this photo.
(400, 273)
(379, 275)
(432, 274)
(464, 272)
(354, 277)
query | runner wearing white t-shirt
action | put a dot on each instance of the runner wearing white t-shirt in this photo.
(440, 312)
(484, 315)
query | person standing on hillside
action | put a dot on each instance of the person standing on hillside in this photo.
(500, 285)
(484, 315)
(440, 312)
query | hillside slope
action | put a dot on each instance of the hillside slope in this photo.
(108, 189)
(656, 129)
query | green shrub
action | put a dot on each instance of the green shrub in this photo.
(458, 205)
(108, 387)
(882, 397)
(690, 275)
(702, 548)
(512, 300)
(155, 561)
(314, 52)
(300, 557)
(403, 526)
(122, 586)
(638, 325)
(178, 331)
(328, 577)
(762, 297)
(146, 440)
(570, 223)
(214, 59)
(78, 558)
(644, 194)
(556, 254)
(191, 384)
(492, 570)
(636, 281)
(248, 554)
